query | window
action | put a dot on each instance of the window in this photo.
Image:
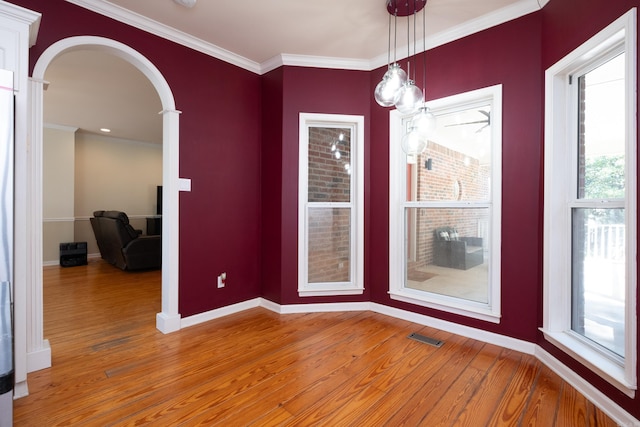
(330, 212)
(590, 204)
(445, 208)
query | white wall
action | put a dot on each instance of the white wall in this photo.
(57, 189)
(107, 174)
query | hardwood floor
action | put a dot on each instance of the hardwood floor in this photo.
(257, 368)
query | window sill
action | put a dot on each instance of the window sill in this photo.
(606, 368)
(466, 308)
(333, 290)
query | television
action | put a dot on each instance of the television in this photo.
(159, 200)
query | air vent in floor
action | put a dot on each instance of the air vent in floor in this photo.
(427, 340)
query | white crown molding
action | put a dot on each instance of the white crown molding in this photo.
(315, 62)
(26, 16)
(103, 7)
(103, 137)
(64, 128)
(149, 25)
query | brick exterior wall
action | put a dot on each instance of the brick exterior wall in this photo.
(454, 176)
(328, 179)
(329, 228)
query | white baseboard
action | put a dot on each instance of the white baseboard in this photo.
(315, 308)
(167, 323)
(454, 328)
(21, 389)
(57, 261)
(39, 359)
(272, 306)
(601, 400)
(219, 312)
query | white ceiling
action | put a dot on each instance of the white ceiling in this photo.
(90, 90)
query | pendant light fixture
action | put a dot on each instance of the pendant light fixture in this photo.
(398, 88)
(413, 143)
(395, 77)
(409, 97)
(424, 121)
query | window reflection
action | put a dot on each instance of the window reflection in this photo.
(447, 246)
(450, 252)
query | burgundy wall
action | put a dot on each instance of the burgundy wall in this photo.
(239, 145)
(272, 172)
(506, 54)
(220, 134)
(310, 90)
(567, 24)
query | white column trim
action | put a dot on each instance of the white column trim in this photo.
(169, 319)
(38, 348)
(20, 28)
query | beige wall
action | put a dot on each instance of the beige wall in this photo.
(106, 174)
(57, 189)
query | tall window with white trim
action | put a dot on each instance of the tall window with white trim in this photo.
(445, 207)
(330, 244)
(590, 204)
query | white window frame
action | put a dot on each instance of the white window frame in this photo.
(490, 311)
(356, 284)
(560, 145)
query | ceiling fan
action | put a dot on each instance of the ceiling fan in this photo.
(486, 122)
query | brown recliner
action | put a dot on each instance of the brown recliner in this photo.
(123, 246)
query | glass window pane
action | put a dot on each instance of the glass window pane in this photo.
(456, 165)
(448, 251)
(329, 245)
(329, 165)
(601, 136)
(598, 276)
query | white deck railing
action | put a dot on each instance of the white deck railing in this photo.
(606, 241)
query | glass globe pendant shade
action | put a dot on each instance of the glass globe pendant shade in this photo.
(391, 82)
(413, 143)
(425, 122)
(409, 98)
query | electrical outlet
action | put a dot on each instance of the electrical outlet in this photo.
(222, 279)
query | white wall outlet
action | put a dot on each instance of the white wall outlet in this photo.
(222, 279)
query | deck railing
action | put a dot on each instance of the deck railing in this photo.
(606, 241)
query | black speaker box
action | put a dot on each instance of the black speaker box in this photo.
(72, 254)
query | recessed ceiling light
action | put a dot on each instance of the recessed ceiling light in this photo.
(186, 3)
(105, 130)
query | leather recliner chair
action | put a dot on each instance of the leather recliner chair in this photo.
(123, 246)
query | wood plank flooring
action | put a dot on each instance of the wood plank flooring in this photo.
(257, 368)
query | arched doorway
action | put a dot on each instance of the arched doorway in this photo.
(168, 320)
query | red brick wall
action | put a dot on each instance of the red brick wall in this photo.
(328, 179)
(328, 245)
(328, 228)
(454, 176)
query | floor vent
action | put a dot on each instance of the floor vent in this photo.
(427, 340)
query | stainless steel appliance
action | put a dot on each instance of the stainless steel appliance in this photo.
(6, 247)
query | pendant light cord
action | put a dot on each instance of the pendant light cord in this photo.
(389, 44)
(395, 31)
(408, 43)
(415, 7)
(424, 52)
